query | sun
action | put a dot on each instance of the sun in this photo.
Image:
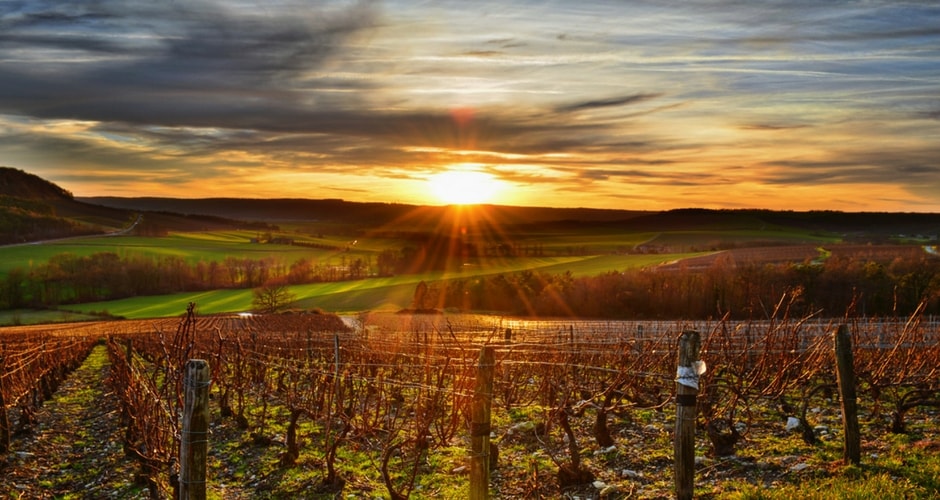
(464, 187)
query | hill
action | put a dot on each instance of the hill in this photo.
(34, 209)
(863, 226)
(866, 227)
(19, 184)
(369, 214)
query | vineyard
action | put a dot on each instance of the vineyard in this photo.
(385, 405)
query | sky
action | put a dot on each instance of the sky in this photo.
(637, 105)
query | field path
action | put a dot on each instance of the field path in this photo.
(74, 450)
(120, 232)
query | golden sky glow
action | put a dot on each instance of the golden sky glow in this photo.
(634, 105)
(460, 186)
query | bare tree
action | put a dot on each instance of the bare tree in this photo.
(272, 296)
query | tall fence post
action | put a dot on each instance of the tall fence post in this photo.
(845, 368)
(4, 419)
(336, 364)
(480, 426)
(687, 374)
(129, 350)
(194, 442)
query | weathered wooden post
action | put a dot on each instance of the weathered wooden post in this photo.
(845, 368)
(4, 419)
(194, 439)
(687, 374)
(480, 426)
(639, 340)
(336, 358)
(129, 351)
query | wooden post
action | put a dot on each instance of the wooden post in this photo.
(689, 369)
(4, 419)
(845, 368)
(336, 358)
(639, 342)
(480, 426)
(194, 439)
(336, 374)
(129, 351)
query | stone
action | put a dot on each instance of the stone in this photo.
(799, 467)
(630, 474)
(793, 424)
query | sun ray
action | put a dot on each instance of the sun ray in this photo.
(462, 186)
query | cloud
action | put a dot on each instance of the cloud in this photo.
(99, 60)
(598, 98)
(606, 103)
(483, 53)
(915, 168)
(247, 80)
(771, 127)
(505, 43)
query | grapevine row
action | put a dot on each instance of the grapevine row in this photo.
(32, 365)
(399, 388)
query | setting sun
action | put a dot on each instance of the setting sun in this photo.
(464, 187)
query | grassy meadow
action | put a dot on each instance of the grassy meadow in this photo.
(375, 294)
(580, 250)
(192, 247)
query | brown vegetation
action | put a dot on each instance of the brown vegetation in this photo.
(744, 284)
(398, 392)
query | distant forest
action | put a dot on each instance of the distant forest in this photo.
(838, 287)
(833, 288)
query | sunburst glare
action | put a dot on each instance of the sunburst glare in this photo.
(464, 187)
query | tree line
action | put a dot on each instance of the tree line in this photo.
(754, 291)
(69, 279)
(868, 287)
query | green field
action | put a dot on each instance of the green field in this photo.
(592, 240)
(191, 247)
(376, 294)
(715, 239)
(582, 251)
(31, 317)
